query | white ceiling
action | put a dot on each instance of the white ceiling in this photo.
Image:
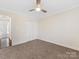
(52, 6)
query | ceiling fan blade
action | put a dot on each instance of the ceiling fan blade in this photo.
(32, 10)
(38, 2)
(44, 11)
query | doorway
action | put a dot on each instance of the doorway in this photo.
(5, 30)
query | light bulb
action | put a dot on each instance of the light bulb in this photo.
(38, 9)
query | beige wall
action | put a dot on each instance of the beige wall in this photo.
(61, 28)
(22, 27)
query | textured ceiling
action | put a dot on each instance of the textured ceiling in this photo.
(53, 6)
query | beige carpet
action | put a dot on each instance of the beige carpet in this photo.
(38, 49)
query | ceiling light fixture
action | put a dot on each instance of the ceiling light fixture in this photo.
(38, 5)
(38, 9)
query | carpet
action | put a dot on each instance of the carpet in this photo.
(38, 49)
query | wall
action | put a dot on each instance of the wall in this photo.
(62, 29)
(23, 28)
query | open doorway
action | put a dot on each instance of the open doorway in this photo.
(5, 30)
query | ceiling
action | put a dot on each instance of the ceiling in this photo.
(52, 6)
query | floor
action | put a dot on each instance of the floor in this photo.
(38, 49)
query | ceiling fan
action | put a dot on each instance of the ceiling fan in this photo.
(38, 7)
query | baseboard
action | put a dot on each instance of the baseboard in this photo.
(62, 45)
